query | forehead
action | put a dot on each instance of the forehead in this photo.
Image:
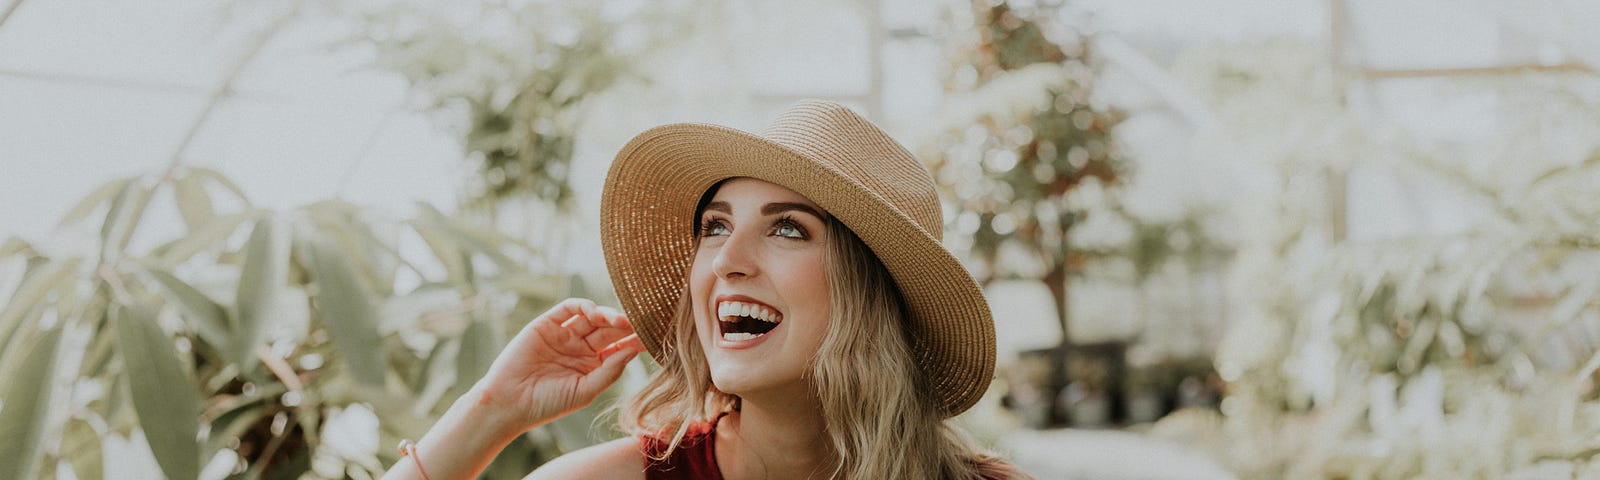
(750, 191)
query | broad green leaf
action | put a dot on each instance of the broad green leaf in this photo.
(207, 318)
(215, 233)
(107, 192)
(123, 218)
(345, 307)
(29, 393)
(215, 176)
(164, 395)
(13, 246)
(355, 232)
(377, 246)
(479, 345)
(115, 213)
(100, 353)
(117, 408)
(234, 423)
(402, 311)
(193, 201)
(470, 239)
(35, 288)
(261, 281)
(457, 264)
(436, 377)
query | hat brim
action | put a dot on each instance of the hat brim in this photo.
(647, 231)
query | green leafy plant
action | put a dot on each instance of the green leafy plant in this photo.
(1035, 137)
(513, 78)
(256, 343)
(1464, 353)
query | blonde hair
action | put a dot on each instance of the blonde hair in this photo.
(882, 422)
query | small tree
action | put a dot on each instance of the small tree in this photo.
(1008, 172)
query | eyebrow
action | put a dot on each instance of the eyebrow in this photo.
(770, 208)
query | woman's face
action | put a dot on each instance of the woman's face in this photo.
(759, 287)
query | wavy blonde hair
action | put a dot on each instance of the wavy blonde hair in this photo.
(882, 422)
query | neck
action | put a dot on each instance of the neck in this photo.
(775, 440)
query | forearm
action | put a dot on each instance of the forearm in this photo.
(461, 444)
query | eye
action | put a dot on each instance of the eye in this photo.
(713, 228)
(788, 229)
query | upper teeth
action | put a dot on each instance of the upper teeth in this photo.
(741, 309)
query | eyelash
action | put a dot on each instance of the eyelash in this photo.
(708, 227)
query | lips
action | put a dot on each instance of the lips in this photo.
(742, 319)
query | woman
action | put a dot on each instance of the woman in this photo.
(793, 288)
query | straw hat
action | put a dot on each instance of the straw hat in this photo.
(844, 164)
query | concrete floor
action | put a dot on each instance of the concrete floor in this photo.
(1072, 454)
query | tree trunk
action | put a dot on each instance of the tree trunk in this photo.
(1056, 279)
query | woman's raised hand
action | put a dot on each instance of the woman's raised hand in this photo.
(559, 363)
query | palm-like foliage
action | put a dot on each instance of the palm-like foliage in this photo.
(268, 342)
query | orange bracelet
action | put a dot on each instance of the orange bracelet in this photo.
(408, 449)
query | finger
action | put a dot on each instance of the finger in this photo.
(586, 311)
(630, 342)
(579, 325)
(610, 368)
(550, 327)
(615, 317)
(561, 312)
(604, 337)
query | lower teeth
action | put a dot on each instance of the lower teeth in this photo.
(738, 336)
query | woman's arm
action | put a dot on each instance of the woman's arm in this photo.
(618, 459)
(461, 444)
(558, 363)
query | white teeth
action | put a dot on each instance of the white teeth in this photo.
(738, 337)
(727, 309)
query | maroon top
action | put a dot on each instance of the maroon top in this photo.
(694, 459)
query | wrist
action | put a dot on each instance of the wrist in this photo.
(480, 409)
(465, 439)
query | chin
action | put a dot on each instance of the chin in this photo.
(736, 379)
(745, 380)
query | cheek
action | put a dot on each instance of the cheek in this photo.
(808, 282)
(700, 282)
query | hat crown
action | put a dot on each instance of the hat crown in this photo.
(839, 138)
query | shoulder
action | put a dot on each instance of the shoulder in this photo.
(620, 459)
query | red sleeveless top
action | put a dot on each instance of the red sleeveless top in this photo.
(694, 459)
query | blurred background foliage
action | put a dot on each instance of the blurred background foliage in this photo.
(1258, 291)
(1462, 354)
(511, 78)
(269, 344)
(1030, 156)
(266, 339)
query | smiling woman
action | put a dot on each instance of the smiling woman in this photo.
(756, 260)
(793, 287)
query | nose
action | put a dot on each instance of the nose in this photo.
(737, 257)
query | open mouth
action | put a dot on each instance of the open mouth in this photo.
(741, 321)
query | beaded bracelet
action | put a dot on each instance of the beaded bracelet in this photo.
(408, 449)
